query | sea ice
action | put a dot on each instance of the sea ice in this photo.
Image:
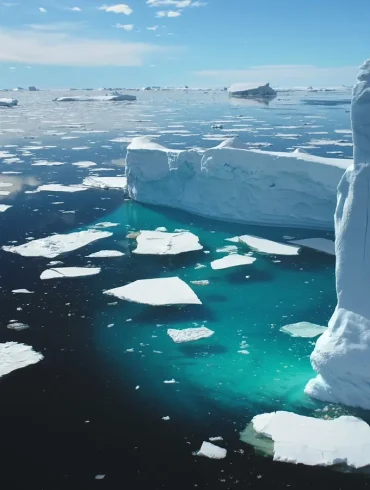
(163, 243)
(84, 164)
(311, 441)
(303, 329)
(15, 356)
(8, 102)
(54, 245)
(189, 334)
(61, 272)
(106, 182)
(268, 247)
(96, 98)
(21, 291)
(211, 451)
(61, 188)
(233, 260)
(163, 291)
(106, 253)
(319, 244)
(4, 207)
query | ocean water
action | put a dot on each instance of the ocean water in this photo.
(95, 404)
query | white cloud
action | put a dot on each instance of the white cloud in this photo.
(152, 28)
(42, 10)
(180, 4)
(284, 75)
(126, 27)
(56, 48)
(75, 9)
(120, 8)
(57, 26)
(168, 13)
(9, 4)
(12, 68)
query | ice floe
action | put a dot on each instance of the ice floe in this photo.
(163, 243)
(233, 260)
(189, 334)
(17, 326)
(15, 356)
(105, 254)
(211, 451)
(54, 245)
(97, 98)
(22, 291)
(4, 207)
(319, 244)
(61, 272)
(60, 188)
(86, 164)
(268, 247)
(303, 329)
(6, 102)
(106, 182)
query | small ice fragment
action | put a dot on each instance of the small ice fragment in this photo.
(129, 350)
(166, 418)
(162, 243)
(18, 326)
(169, 382)
(137, 387)
(161, 228)
(189, 334)
(99, 477)
(110, 325)
(20, 291)
(211, 451)
(243, 351)
(4, 207)
(303, 329)
(214, 439)
(204, 282)
(233, 260)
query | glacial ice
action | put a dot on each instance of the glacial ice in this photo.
(157, 292)
(303, 329)
(4, 102)
(233, 260)
(268, 246)
(163, 243)
(96, 98)
(320, 244)
(211, 451)
(189, 334)
(54, 245)
(106, 182)
(312, 441)
(341, 356)
(62, 272)
(250, 90)
(233, 183)
(15, 356)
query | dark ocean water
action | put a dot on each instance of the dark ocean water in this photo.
(78, 413)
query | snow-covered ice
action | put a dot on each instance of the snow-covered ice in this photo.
(303, 329)
(233, 183)
(60, 188)
(163, 243)
(106, 254)
(15, 356)
(268, 246)
(319, 244)
(342, 354)
(163, 291)
(6, 102)
(233, 260)
(211, 451)
(4, 207)
(313, 441)
(54, 245)
(62, 272)
(189, 334)
(106, 182)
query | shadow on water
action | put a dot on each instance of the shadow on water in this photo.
(193, 350)
(173, 314)
(255, 275)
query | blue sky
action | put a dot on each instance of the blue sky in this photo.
(210, 43)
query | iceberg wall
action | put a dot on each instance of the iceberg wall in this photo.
(342, 354)
(232, 183)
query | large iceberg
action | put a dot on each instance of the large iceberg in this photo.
(252, 90)
(232, 183)
(342, 354)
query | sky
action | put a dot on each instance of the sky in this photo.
(210, 43)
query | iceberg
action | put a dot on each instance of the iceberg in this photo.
(251, 90)
(319, 244)
(189, 334)
(211, 451)
(15, 356)
(311, 441)
(162, 243)
(97, 98)
(157, 292)
(8, 102)
(106, 182)
(232, 183)
(303, 329)
(341, 356)
(61, 272)
(268, 246)
(54, 245)
(233, 260)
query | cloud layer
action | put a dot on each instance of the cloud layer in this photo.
(120, 8)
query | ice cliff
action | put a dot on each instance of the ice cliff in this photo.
(342, 354)
(232, 183)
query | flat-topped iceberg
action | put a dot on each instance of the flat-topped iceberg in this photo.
(5, 102)
(233, 183)
(96, 98)
(62, 272)
(211, 451)
(15, 356)
(163, 243)
(312, 441)
(157, 292)
(55, 245)
(342, 354)
(252, 90)
(189, 334)
(233, 260)
(268, 247)
(319, 244)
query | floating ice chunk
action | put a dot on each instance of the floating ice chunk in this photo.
(45, 163)
(204, 282)
(162, 243)
(84, 164)
(99, 477)
(60, 188)
(106, 182)
(233, 260)
(105, 224)
(15, 356)
(243, 351)
(6, 184)
(217, 438)
(211, 451)
(312, 441)
(166, 418)
(156, 292)
(161, 228)
(319, 244)
(4, 207)
(17, 326)
(61, 272)
(303, 329)
(106, 253)
(96, 98)
(268, 247)
(4, 102)
(227, 249)
(4, 193)
(169, 382)
(54, 245)
(189, 334)
(22, 291)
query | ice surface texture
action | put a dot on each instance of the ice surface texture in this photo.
(162, 243)
(342, 354)
(15, 356)
(232, 183)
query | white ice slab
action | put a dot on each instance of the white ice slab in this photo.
(233, 260)
(312, 441)
(162, 243)
(212, 451)
(62, 272)
(106, 253)
(84, 164)
(303, 329)
(189, 334)
(15, 356)
(22, 291)
(106, 182)
(156, 292)
(268, 246)
(319, 244)
(4, 207)
(55, 245)
(60, 188)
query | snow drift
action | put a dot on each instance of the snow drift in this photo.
(230, 182)
(342, 354)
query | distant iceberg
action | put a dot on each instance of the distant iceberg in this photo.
(115, 97)
(250, 90)
(4, 102)
(233, 183)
